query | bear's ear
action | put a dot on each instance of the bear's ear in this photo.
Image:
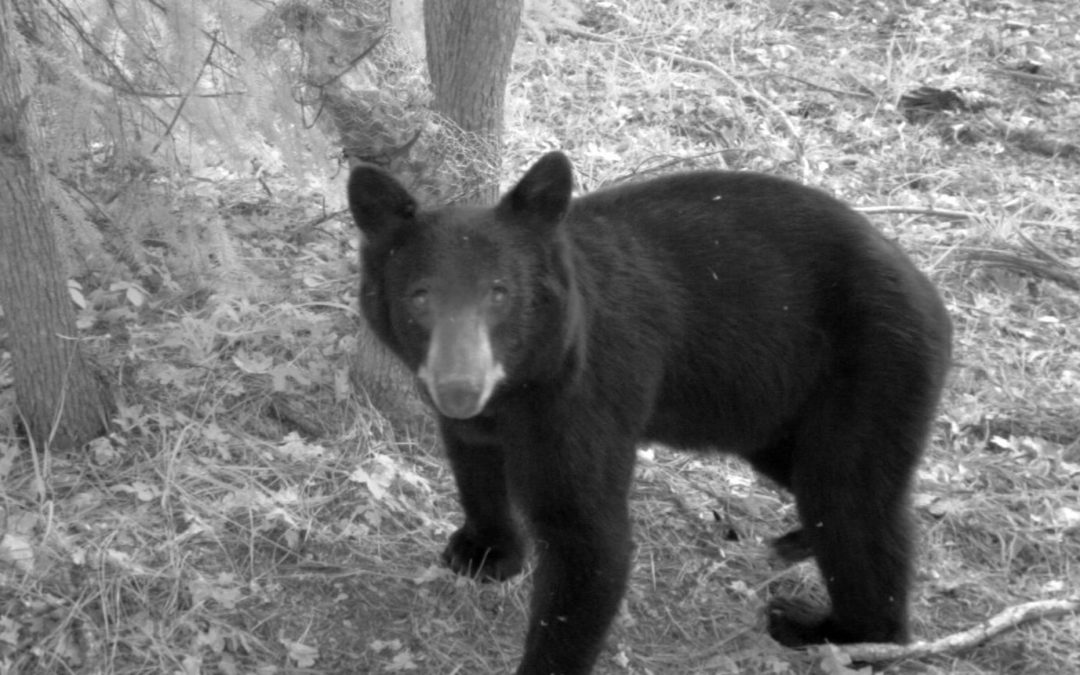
(543, 193)
(378, 201)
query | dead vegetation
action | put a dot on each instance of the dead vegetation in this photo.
(253, 514)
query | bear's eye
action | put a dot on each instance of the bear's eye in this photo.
(419, 298)
(499, 294)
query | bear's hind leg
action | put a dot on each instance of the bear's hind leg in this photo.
(850, 482)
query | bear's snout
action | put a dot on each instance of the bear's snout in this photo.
(460, 399)
(460, 371)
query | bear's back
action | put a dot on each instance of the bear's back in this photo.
(752, 285)
(744, 238)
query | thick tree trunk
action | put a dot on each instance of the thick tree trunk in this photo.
(469, 45)
(59, 399)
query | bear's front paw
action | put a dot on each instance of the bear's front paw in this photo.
(484, 561)
(794, 623)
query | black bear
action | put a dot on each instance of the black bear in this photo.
(707, 310)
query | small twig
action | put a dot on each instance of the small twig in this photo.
(1043, 253)
(350, 65)
(315, 222)
(946, 213)
(666, 163)
(144, 93)
(76, 25)
(1040, 79)
(964, 640)
(921, 210)
(1018, 263)
(822, 87)
(187, 96)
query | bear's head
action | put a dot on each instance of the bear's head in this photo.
(473, 300)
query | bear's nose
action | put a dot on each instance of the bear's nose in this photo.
(460, 399)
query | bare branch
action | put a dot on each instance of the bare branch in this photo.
(1019, 263)
(183, 101)
(945, 213)
(920, 210)
(964, 640)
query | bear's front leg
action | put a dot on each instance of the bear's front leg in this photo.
(581, 576)
(488, 546)
(571, 483)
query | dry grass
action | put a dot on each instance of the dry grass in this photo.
(252, 514)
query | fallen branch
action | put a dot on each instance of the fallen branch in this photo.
(1032, 77)
(814, 85)
(962, 641)
(951, 213)
(1017, 262)
(919, 210)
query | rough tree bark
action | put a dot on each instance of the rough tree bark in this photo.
(469, 45)
(59, 399)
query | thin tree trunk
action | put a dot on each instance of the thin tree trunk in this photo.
(469, 46)
(59, 399)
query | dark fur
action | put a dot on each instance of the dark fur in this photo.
(709, 311)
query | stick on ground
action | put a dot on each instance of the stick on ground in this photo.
(964, 640)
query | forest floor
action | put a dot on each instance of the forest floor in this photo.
(251, 513)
